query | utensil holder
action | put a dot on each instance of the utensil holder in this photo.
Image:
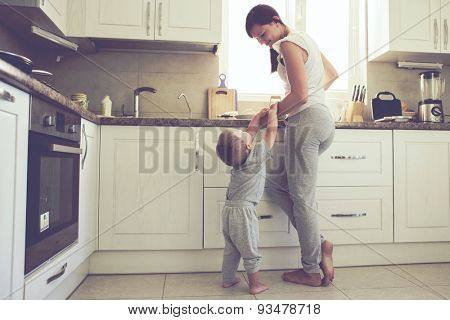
(354, 112)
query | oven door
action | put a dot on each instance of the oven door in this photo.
(52, 197)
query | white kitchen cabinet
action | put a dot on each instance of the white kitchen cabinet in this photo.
(56, 10)
(397, 28)
(14, 112)
(421, 186)
(356, 215)
(275, 230)
(89, 175)
(355, 158)
(151, 188)
(168, 20)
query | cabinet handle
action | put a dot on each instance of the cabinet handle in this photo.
(160, 19)
(85, 146)
(197, 151)
(5, 95)
(265, 216)
(445, 34)
(436, 31)
(348, 215)
(148, 18)
(343, 157)
(58, 275)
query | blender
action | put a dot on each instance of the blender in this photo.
(432, 86)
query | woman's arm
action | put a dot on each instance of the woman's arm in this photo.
(330, 72)
(296, 73)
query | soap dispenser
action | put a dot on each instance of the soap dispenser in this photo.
(106, 106)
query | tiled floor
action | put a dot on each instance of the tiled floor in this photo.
(410, 282)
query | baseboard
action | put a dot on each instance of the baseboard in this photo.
(210, 260)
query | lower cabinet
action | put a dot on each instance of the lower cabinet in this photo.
(348, 215)
(151, 188)
(356, 215)
(14, 114)
(422, 186)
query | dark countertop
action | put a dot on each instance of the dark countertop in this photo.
(15, 77)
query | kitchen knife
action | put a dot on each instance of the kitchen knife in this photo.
(354, 91)
(357, 94)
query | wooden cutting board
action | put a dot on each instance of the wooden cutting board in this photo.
(220, 100)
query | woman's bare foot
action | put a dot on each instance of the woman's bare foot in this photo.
(255, 286)
(230, 284)
(327, 263)
(302, 277)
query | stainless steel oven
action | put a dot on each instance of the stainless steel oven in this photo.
(53, 182)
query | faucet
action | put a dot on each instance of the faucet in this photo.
(137, 92)
(187, 103)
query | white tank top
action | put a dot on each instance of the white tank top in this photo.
(314, 69)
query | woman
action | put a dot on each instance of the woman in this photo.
(310, 131)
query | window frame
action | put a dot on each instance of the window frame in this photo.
(357, 49)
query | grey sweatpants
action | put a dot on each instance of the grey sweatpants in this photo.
(308, 134)
(241, 234)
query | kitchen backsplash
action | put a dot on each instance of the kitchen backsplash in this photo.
(404, 83)
(117, 74)
(9, 41)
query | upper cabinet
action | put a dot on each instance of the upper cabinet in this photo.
(169, 20)
(56, 10)
(408, 29)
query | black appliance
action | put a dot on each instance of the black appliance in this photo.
(53, 182)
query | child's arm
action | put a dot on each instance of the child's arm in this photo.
(255, 123)
(272, 126)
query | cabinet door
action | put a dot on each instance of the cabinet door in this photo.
(275, 230)
(445, 26)
(14, 111)
(151, 188)
(89, 168)
(415, 25)
(421, 186)
(56, 10)
(189, 21)
(115, 19)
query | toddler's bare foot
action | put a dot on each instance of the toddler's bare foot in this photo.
(327, 263)
(258, 288)
(255, 286)
(230, 284)
(302, 277)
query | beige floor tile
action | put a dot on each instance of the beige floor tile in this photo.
(200, 285)
(232, 297)
(368, 277)
(433, 274)
(307, 295)
(120, 287)
(443, 290)
(412, 293)
(277, 285)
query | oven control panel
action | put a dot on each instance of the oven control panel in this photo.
(48, 118)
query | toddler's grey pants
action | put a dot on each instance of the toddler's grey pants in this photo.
(293, 185)
(241, 233)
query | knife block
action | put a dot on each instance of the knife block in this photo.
(354, 112)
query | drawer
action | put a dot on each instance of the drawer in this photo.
(40, 283)
(275, 230)
(356, 215)
(357, 158)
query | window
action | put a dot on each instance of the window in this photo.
(247, 63)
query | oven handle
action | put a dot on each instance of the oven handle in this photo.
(64, 149)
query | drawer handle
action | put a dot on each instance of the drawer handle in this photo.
(59, 274)
(5, 95)
(349, 157)
(348, 215)
(265, 216)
